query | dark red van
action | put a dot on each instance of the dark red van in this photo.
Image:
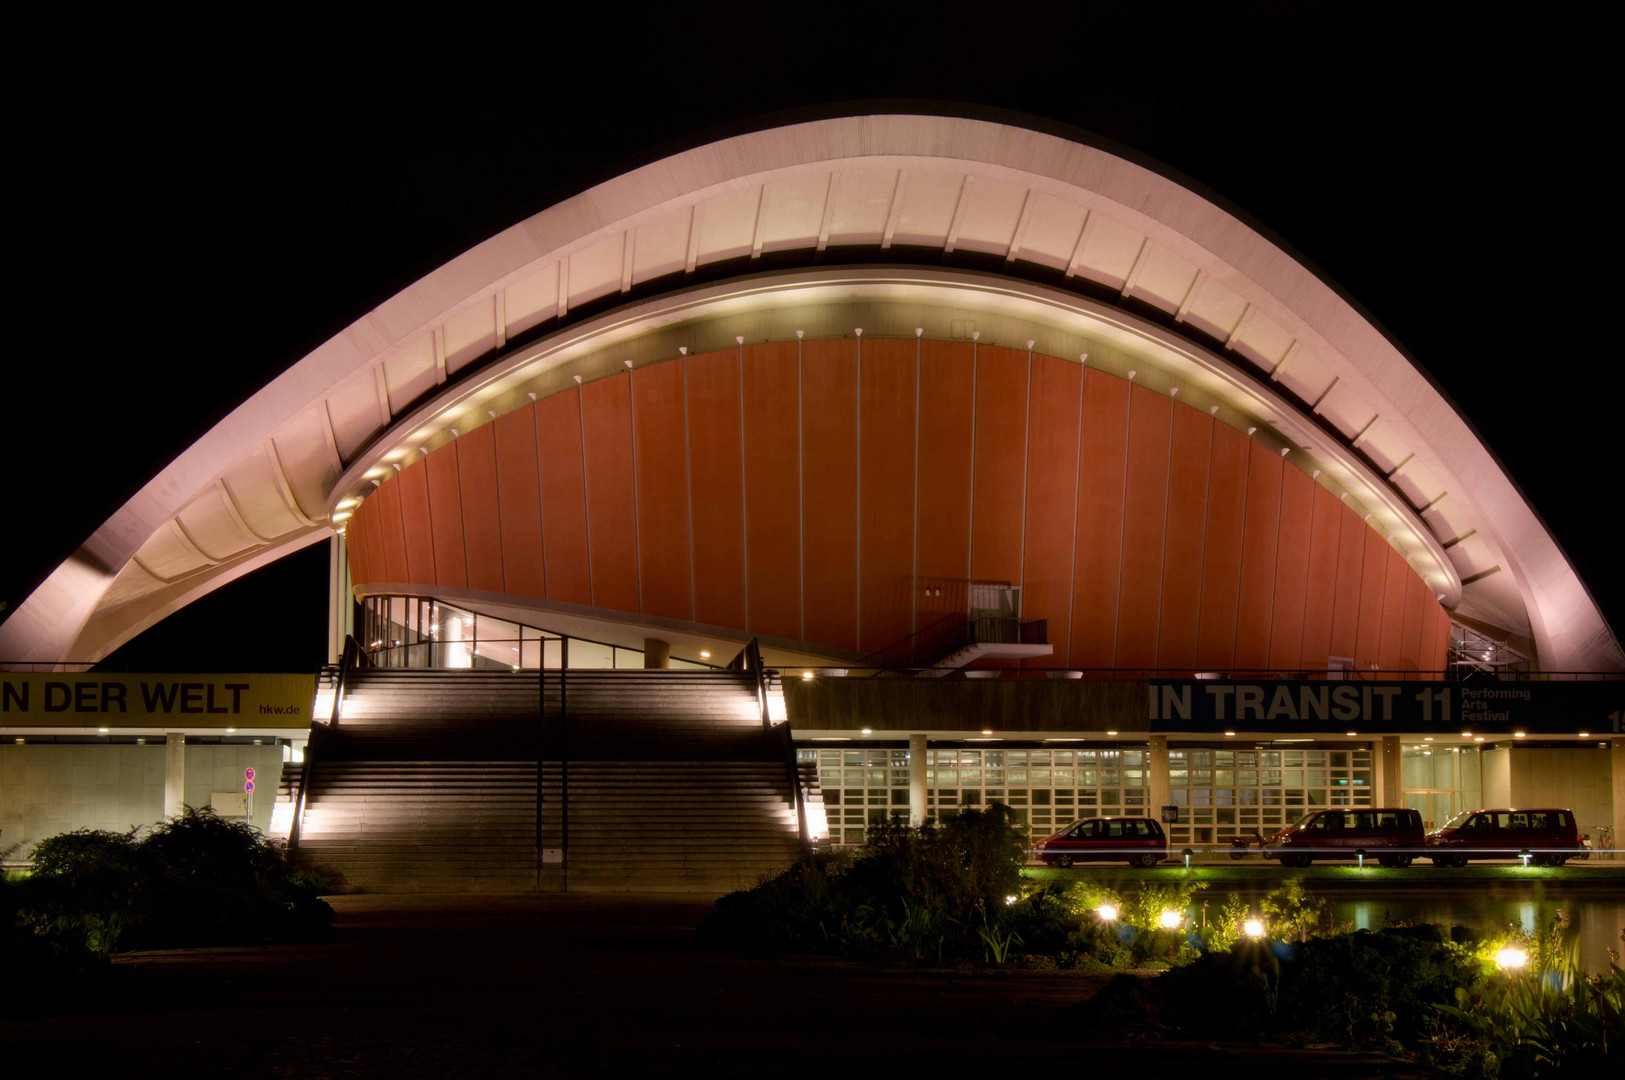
(1391, 835)
(1137, 841)
(1548, 834)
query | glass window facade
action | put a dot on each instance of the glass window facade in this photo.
(1441, 783)
(1223, 792)
(1046, 788)
(415, 632)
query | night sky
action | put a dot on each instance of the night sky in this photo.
(201, 205)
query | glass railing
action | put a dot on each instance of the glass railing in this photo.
(417, 632)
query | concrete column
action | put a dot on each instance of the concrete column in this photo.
(174, 774)
(1388, 773)
(916, 779)
(1616, 755)
(338, 593)
(1160, 795)
(656, 653)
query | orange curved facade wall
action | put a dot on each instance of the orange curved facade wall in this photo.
(813, 491)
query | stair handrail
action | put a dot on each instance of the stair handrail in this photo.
(796, 790)
(352, 657)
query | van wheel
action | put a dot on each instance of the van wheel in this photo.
(1440, 860)
(1402, 861)
(1556, 860)
(1459, 861)
(1386, 860)
(1063, 861)
(1148, 859)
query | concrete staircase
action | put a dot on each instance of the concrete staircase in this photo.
(429, 784)
(424, 826)
(705, 827)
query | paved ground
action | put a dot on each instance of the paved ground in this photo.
(571, 986)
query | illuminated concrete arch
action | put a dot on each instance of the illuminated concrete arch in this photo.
(890, 223)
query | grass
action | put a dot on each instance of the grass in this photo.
(1611, 877)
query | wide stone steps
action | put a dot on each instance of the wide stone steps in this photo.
(429, 782)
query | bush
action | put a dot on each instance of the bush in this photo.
(1364, 989)
(198, 879)
(919, 892)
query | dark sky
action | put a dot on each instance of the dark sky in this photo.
(203, 204)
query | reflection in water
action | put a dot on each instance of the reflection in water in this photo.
(1595, 919)
(1597, 923)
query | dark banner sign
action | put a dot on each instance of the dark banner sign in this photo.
(1488, 708)
(90, 699)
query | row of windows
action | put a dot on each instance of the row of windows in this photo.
(1218, 791)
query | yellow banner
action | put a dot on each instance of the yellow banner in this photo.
(93, 699)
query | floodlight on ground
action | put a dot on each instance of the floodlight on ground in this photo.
(1107, 912)
(1253, 928)
(1511, 958)
(1170, 919)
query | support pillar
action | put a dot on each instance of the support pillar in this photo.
(1616, 755)
(174, 774)
(1388, 774)
(656, 653)
(1160, 794)
(338, 598)
(916, 779)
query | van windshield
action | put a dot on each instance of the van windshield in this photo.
(1459, 820)
(1306, 819)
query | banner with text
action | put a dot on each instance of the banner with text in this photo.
(93, 699)
(1488, 708)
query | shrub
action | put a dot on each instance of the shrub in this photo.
(922, 892)
(197, 879)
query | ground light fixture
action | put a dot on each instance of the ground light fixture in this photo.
(1111, 733)
(987, 731)
(1253, 928)
(1107, 912)
(1009, 900)
(1511, 958)
(868, 731)
(1170, 919)
(807, 675)
(1524, 855)
(1187, 853)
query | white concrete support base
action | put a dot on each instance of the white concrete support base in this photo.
(1160, 794)
(1617, 753)
(916, 780)
(174, 774)
(1390, 775)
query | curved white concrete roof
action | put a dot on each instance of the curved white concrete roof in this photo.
(879, 191)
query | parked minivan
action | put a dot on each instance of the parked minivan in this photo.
(1139, 841)
(1392, 835)
(1548, 834)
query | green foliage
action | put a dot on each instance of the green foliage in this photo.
(1225, 932)
(921, 893)
(197, 879)
(1292, 912)
(1363, 989)
(1549, 1019)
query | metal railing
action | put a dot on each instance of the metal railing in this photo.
(749, 659)
(354, 657)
